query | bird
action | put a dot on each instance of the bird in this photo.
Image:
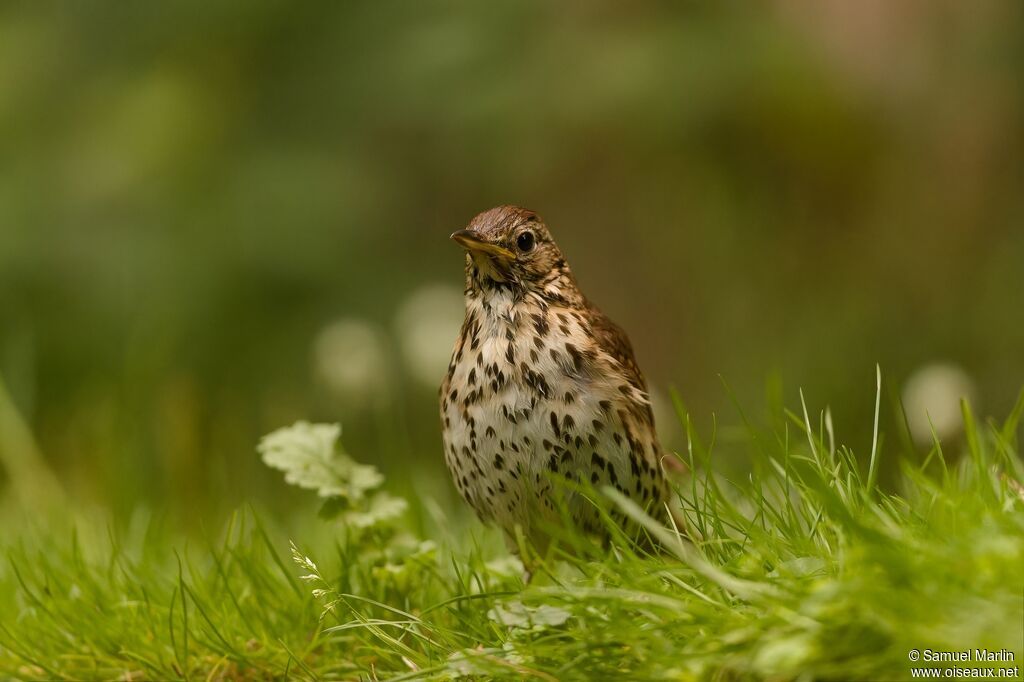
(542, 389)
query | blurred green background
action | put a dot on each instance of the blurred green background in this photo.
(218, 219)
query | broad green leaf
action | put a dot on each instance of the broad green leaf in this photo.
(311, 457)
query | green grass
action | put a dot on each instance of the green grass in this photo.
(802, 570)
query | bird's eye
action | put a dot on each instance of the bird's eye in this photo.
(525, 241)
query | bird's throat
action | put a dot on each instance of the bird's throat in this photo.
(490, 267)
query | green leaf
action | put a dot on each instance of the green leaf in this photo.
(515, 614)
(381, 509)
(311, 457)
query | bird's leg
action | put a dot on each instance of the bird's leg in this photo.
(521, 548)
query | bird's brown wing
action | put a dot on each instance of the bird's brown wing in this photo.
(614, 341)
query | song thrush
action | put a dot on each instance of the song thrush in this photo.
(541, 385)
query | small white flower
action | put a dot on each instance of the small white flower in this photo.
(931, 396)
(426, 326)
(349, 358)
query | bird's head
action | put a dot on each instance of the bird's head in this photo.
(510, 246)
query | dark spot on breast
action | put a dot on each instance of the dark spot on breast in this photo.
(577, 357)
(536, 381)
(554, 425)
(499, 462)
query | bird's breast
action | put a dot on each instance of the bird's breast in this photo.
(528, 395)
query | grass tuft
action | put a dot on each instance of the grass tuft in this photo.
(805, 569)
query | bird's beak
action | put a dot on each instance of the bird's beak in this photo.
(472, 243)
